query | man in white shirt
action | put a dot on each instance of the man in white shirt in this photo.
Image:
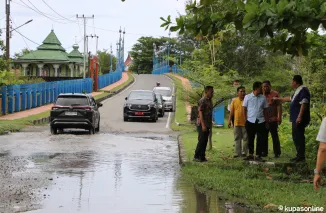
(256, 116)
(321, 157)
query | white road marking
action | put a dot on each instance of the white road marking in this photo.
(103, 102)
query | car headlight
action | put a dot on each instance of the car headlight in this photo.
(160, 106)
(152, 105)
(127, 105)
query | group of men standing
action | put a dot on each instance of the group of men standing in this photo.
(255, 115)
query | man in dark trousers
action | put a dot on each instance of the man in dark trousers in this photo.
(299, 116)
(204, 123)
(256, 117)
(275, 118)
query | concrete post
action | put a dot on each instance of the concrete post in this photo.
(56, 67)
(40, 67)
(71, 67)
(24, 68)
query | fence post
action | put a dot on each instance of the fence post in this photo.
(23, 90)
(11, 99)
(4, 99)
(29, 96)
(43, 93)
(17, 97)
(38, 94)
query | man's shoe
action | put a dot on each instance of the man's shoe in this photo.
(196, 159)
(203, 160)
(235, 156)
(277, 156)
(298, 160)
(250, 157)
(259, 159)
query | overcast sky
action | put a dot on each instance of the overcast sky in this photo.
(138, 17)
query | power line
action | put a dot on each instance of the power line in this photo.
(24, 37)
(57, 12)
(77, 22)
(38, 11)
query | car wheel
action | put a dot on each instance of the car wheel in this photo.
(91, 130)
(98, 126)
(54, 131)
(60, 131)
(125, 119)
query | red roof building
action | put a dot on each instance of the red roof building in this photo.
(128, 62)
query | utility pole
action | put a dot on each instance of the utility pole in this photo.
(8, 30)
(96, 43)
(85, 53)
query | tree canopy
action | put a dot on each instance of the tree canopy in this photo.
(104, 60)
(283, 22)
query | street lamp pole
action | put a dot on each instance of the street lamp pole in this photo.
(22, 25)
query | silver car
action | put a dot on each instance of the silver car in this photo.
(167, 96)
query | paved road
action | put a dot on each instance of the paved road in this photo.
(112, 111)
(112, 171)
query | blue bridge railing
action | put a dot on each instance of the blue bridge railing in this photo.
(16, 98)
(167, 69)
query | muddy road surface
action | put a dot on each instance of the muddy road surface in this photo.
(126, 167)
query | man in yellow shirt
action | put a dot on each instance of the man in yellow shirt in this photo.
(240, 133)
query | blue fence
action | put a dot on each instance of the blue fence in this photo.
(161, 70)
(108, 79)
(16, 98)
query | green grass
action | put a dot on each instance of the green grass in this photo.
(252, 185)
(18, 124)
(180, 111)
(233, 179)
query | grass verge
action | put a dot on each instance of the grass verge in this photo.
(180, 111)
(18, 124)
(233, 179)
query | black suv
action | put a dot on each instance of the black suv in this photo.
(74, 110)
(141, 104)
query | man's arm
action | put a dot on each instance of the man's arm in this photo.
(284, 99)
(245, 105)
(279, 110)
(245, 113)
(231, 114)
(305, 99)
(265, 110)
(201, 115)
(279, 113)
(321, 159)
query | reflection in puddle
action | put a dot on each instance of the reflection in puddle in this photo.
(111, 173)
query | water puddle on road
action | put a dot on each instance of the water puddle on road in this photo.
(111, 173)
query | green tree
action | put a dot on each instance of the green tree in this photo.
(23, 52)
(283, 22)
(3, 62)
(104, 61)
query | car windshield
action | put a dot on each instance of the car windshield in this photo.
(72, 101)
(163, 92)
(140, 96)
